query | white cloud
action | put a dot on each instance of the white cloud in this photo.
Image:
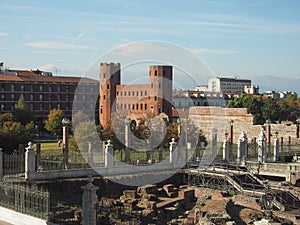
(203, 51)
(56, 45)
(2, 34)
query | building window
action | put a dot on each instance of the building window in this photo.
(101, 109)
(145, 92)
(31, 97)
(145, 106)
(133, 106)
(137, 106)
(155, 98)
(103, 75)
(41, 88)
(155, 72)
(151, 85)
(129, 106)
(128, 93)
(107, 86)
(141, 106)
(41, 97)
(103, 97)
(124, 93)
(124, 106)
(159, 110)
(117, 93)
(164, 73)
(137, 93)
(121, 106)
(12, 87)
(141, 93)
(133, 93)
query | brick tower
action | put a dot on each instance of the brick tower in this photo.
(110, 77)
(161, 89)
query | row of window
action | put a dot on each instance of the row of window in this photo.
(132, 93)
(136, 106)
(46, 88)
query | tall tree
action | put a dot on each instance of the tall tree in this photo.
(21, 112)
(271, 110)
(13, 133)
(53, 124)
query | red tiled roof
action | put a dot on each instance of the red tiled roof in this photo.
(26, 75)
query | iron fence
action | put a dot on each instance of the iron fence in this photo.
(55, 161)
(13, 163)
(31, 200)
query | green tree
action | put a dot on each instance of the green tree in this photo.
(53, 124)
(13, 133)
(21, 112)
(271, 110)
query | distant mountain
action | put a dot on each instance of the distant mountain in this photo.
(59, 71)
(269, 82)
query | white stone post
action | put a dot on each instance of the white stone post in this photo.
(1, 164)
(90, 154)
(109, 154)
(261, 142)
(173, 151)
(29, 161)
(226, 148)
(276, 149)
(89, 203)
(127, 139)
(242, 147)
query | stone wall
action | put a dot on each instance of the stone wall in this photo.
(208, 118)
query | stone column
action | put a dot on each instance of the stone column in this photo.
(90, 155)
(65, 143)
(109, 155)
(242, 147)
(127, 140)
(89, 203)
(276, 149)
(1, 164)
(226, 149)
(173, 151)
(214, 142)
(261, 142)
(30, 168)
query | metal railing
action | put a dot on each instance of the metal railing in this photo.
(31, 200)
(13, 163)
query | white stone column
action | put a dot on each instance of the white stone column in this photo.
(109, 154)
(173, 151)
(242, 147)
(261, 142)
(90, 154)
(276, 149)
(226, 148)
(89, 203)
(29, 161)
(1, 164)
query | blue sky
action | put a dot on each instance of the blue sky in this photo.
(234, 38)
